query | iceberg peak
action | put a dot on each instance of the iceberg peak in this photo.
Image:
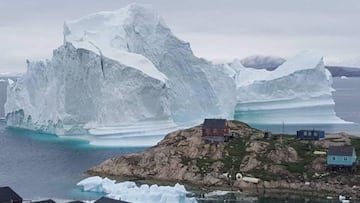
(108, 33)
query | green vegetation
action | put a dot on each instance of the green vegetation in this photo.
(204, 165)
(185, 160)
(305, 151)
(234, 153)
(297, 167)
(355, 142)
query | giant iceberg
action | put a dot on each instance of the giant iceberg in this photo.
(115, 70)
(123, 75)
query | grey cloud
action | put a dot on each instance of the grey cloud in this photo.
(217, 29)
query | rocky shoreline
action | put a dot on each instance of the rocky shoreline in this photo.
(281, 163)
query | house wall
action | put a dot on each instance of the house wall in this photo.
(340, 160)
(310, 134)
(214, 132)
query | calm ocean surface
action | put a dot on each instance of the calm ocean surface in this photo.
(40, 166)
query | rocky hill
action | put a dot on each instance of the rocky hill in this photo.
(280, 162)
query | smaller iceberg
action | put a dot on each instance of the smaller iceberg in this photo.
(297, 92)
(129, 191)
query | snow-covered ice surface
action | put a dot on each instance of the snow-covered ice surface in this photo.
(129, 191)
(107, 33)
(123, 78)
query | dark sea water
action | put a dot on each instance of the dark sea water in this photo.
(41, 166)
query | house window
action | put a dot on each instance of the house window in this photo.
(305, 133)
(315, 134)
(345, 158)
(333, 158)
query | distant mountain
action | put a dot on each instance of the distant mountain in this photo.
(338, 71)
(273, 62)
(262, 62)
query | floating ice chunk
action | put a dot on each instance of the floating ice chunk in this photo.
(129, 191)
(216, 193)
(96, 184)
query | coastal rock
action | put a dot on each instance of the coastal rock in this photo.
(318, 164)
(286, 163)
(181, 156)
(249, 163)
(277, 169)
(281, 154)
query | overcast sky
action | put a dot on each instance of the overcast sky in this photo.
(218, 30)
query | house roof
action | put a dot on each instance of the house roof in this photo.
(45, 201)
(311, 130)
(76, 201)
(108, 200)
(7, 194)
(214, 123)
(341, 150)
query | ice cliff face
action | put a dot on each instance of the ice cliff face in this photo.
(118, 68)
(298, 91)
(63, 94)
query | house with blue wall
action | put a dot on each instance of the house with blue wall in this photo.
(341, 157)
(310, 134)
